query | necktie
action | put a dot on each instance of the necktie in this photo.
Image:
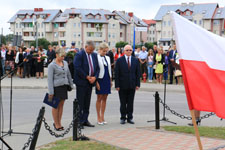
(90, 64)
(128, 62)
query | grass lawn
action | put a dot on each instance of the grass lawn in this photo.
(68, 144)
(213, 132)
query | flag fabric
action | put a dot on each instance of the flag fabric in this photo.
(202, 61)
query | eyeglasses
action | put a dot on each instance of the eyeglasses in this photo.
(129, 50)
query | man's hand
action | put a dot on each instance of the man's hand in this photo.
(92, 80)
(137, 88)
(117, 89)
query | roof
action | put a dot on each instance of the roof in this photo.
(149, 22)
(206, 9)
(84, 15)
(52, 13)
(165, 39)
(126, 18)
(220, 13)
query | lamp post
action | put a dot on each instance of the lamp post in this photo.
(36, 29)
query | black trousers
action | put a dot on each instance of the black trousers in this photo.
(171, 69)
(126, 103)
(143, 69)
(84, 99)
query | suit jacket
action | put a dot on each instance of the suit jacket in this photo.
(127, 78)
(81, 68)
(172, 55)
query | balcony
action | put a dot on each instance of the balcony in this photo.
(28, 38)
(28, 29)
(61, 29)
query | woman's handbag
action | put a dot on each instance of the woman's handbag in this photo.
(177, 73)
(154, 66)
(69, 88)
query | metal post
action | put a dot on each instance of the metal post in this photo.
(134, 39)
(37, 130)
(75, 116)
(36, 35)
(157, 121)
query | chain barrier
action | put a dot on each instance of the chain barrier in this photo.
(217, 148)
(32, 135)
(180, 115)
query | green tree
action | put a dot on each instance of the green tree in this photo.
(54, 43)
(121, 44)
(149, 45)
(41, 42)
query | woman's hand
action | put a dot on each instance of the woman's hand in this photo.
(50, 97)
(97, 86)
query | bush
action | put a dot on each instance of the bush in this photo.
(41, 42)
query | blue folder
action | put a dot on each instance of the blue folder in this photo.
(53, 103)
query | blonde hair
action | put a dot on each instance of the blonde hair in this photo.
(103, 45)
(60, 52)
(150, 52)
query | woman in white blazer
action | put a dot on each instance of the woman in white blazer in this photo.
(104, 82)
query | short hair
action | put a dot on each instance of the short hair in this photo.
(103, 45)
(60, 52)
(90, 43)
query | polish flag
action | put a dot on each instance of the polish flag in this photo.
(202, 61)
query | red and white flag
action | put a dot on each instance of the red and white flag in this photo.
(202, 60)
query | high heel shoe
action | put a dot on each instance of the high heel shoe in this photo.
(198, 122)
(57, 129)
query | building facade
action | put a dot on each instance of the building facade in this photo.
(78, 26)
(151, 30)
(206, 15)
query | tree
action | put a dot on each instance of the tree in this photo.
(149, 45)
(54, 43)
(41, 42)
(121, 44)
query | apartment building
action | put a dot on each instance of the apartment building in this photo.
(78, 25)
(151, 30)
(206, 15)
(22, 23)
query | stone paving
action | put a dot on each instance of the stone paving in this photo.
(151, 139)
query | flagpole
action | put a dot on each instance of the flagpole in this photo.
(196, 129)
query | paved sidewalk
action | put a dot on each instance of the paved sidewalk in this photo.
(151, 139)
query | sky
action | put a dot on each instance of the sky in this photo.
(144, 9)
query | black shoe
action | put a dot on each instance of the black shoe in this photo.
(88, 124)
(122, 121)
(130, 121)
(58, 129)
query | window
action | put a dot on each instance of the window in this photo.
(42, 34)
(153, 32)
(79, 25)
(90, 34)
(109, 35)
(74, 35)
(169, 23)
(195, 21)
(56, 25)
(150, 39)
(188, 13)
(88, 25)
(98, 34)
(74, 25)
(30, 25)
(39, 34)
(216, 22)
(55, 34)
(150, 32)
(200, 22)
(78, 42)
(62, 24)
(121, 34)
(164, 23)
(109, 26)
(113, 35)
(92, 25)
(153, 39)
(109, 43)
(20, 25)
(16, 25)
(121, 26)
(113, 25)
(62, 34)
(78, 34)
(97, 17)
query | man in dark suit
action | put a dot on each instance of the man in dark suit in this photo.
(172, 57)
(86, 71)
(127, 81)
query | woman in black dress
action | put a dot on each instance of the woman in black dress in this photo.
(9, 64)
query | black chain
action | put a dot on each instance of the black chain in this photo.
(218, 148)
(182, 116)
(32, 135)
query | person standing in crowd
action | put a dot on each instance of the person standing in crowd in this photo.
(9, 60)
(137, 52)
(86, 71)
(118, 54)
(159, 61)
(127, 81)
(111, 56)
(19, 61)
(172, 58)
(104, 82)
(150, 65)
(3, 53)
(50, 54)
(165, 67)
(155, 52)
(59, 78)
(33, 61)
(1, 71)
(27, 63)
(143, 59)
(39, 65)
